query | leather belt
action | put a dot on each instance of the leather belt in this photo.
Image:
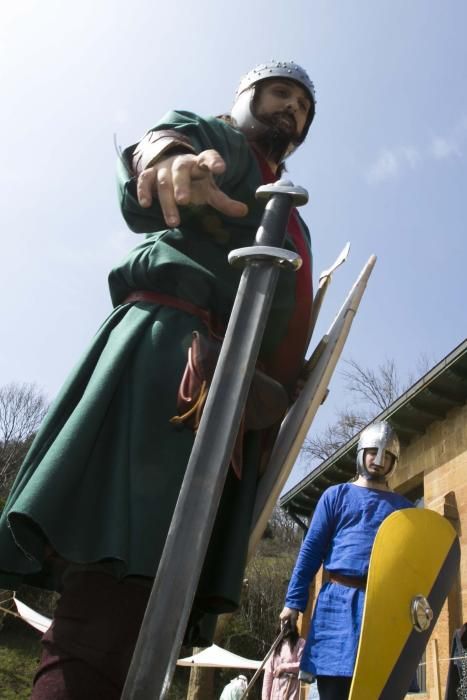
(208, 319)
(350, 581)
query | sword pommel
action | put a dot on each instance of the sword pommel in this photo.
(299, 194)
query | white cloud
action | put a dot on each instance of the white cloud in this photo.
(442, 148)
(390, 163)
(385, 168)
(393, 162)
(410, 155)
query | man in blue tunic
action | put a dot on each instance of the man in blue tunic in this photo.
(340, 538)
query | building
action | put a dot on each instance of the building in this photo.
(431, 421)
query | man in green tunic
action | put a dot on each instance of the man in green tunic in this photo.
(90, 509)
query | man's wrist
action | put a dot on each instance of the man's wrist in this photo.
(157, 145)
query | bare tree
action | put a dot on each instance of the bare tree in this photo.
(346, 425)
(282, 529)
(22, 408)
(372, 391)
(377, 388)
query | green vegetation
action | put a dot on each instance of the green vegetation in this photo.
(19, 656)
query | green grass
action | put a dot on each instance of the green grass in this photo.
(19, 656)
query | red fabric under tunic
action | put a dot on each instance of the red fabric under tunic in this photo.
(288, 357)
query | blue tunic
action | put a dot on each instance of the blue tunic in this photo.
(340, 536)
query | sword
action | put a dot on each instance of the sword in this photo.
(174, 588)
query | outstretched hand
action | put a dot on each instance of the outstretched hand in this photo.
(185, 179)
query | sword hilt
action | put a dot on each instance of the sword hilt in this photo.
(280, 197)
(299, 194)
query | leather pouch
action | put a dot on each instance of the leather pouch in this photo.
(266, 404)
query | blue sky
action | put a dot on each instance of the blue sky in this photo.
(385, 162)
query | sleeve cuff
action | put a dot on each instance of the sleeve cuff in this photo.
(155, 145)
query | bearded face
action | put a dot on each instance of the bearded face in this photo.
(282, 106)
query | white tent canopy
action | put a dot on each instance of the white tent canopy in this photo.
(33, 618)
(213, 656)
(216, 657)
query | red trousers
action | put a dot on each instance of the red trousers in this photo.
(88, 649)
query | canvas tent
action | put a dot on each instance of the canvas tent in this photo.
(33, 618)
(215, 657)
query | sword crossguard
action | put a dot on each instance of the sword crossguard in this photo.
(299, 194)
(279, 257)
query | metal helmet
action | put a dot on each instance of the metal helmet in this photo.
(243, 109)
(378, 436)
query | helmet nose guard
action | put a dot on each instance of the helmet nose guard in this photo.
(381, 437)
(243, 112)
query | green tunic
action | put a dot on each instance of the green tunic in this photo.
(102, 477)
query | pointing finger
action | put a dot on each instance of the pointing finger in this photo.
(212, 161)
(230, 207)
(181, 175)
(144, 187)
(166, 196)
